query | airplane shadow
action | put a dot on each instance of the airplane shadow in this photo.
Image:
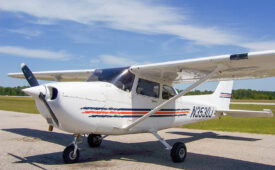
(146, 152)
(199, 136)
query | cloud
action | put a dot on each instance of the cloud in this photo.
(26, 32)
(116, 60)
(136, 16)
(113, 60)
(94, 61)
(34, 53)
(145, 17)
(43, 22)
(258, 46)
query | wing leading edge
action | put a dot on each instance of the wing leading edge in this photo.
(234, 67)
(65, 75)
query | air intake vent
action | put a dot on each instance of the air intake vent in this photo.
(54, 93)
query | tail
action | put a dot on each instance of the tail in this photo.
(223, 94)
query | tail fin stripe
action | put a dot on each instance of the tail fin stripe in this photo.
(225, 97)
(227, 93)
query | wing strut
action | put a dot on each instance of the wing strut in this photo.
(156, 109)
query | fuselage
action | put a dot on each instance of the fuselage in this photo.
(102, 108)
(112, 99)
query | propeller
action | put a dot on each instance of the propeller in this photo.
(36, 90)
(29, 76)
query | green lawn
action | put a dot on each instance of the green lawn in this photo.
(253, 101)
(18, 104)
(226, 123)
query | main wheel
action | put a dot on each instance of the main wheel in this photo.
(68, 154)
(178, 152)
(94, 140)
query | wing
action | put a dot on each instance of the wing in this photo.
(65, 75)
(236, 66)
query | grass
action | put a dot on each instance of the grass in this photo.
(253, 101)
(18, 104)
(226, 123)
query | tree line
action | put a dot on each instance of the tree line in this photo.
(12, 91)
(236, 94)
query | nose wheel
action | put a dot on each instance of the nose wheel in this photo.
(71, 152)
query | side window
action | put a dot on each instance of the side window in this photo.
(148, 88)
(168, 92)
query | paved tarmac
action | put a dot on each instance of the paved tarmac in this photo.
(26, 144)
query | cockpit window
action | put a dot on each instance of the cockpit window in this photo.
(148, 88)
(120, 77)
(168, 92)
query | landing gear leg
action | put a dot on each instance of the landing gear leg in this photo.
(178, 152)
(71, 152)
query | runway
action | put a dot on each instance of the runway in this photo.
(26, 144)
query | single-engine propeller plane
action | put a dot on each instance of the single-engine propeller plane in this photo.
(141, 98)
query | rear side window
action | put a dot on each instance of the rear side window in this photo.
(148, 88)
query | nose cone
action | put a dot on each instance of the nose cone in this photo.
(35, 91)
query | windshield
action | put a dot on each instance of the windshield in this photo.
(120, 77)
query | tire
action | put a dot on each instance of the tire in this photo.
(94, 140)
(178, 152)
(68, 155)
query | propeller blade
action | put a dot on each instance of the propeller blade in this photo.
(29, 76)
(43, 99)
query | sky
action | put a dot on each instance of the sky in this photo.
(87, 34)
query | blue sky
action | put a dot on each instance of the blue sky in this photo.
(71, 34)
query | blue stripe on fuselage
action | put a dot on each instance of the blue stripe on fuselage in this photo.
(129, 109)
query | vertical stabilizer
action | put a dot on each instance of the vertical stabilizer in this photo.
(223, 94)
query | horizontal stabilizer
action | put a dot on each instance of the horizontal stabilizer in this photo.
(247, 113)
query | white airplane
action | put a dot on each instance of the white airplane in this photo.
(141, 99)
